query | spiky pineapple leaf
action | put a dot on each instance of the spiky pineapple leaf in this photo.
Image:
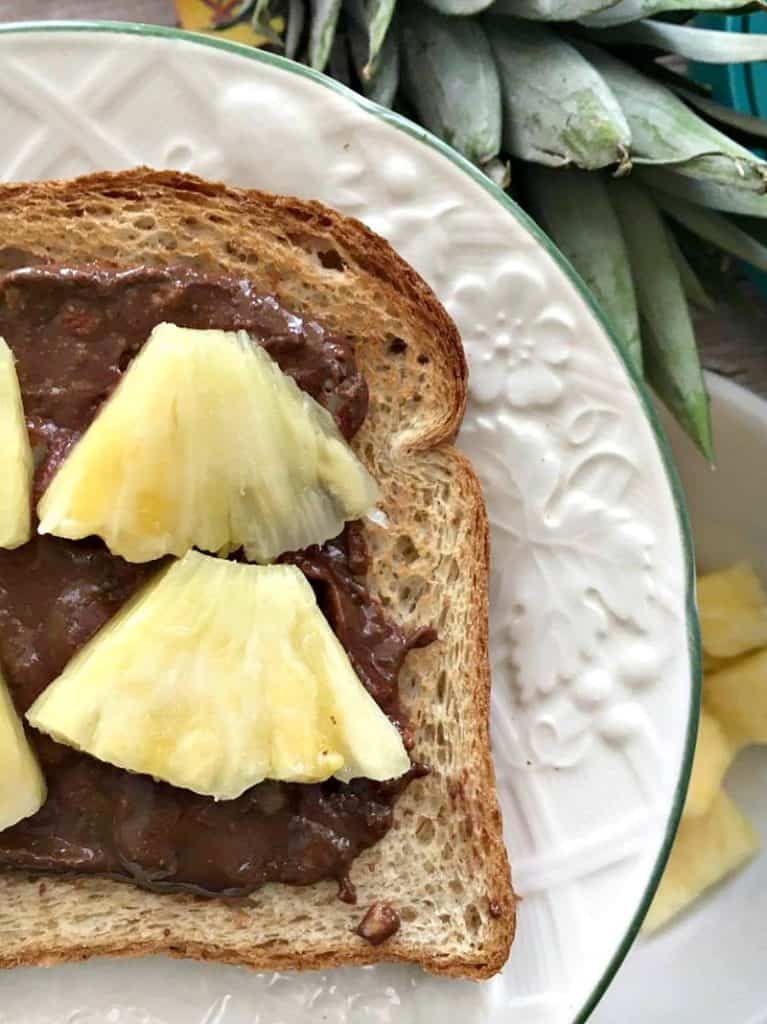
(703, 44)
(715, 191)
(371, 18)
(670, 353)
(295, 27)
(380, 80)
(323, 31)
(574, 208)
(627, 11)
(456, 6)
(261, 20)
(557, 110)
(550, 10)
(672, 384)
(450, 76)
(379, 15)
(664, 131)
(691, 283)
(745, 124)
(715, 228)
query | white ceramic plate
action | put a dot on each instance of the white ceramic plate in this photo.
(708, 968)
(592, 634)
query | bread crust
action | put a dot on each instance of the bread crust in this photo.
(443, 864)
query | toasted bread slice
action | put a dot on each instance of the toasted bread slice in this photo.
(443, 865)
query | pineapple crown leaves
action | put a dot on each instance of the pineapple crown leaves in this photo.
(567, 87)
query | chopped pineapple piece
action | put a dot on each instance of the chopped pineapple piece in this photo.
(733, 611)
(15, 458)
(737, 696)
(706, 850)
(711, 664)
(713, 755)
(22, 786)
(218, 675)
(714, 838)
(207, 443)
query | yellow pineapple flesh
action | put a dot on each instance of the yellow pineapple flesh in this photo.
(22, 786)
(206, 443)
(218, 675)
(707, 849)
(733, 613)
(714, 753)
(15, 458)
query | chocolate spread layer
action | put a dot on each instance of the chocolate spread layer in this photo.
(73, 331)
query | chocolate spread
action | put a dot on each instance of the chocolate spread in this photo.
(73, 331)
(379, 923)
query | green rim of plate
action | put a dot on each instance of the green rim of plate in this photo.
(415, 131)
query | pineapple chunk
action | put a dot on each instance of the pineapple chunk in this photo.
(706, 850)
(15, 458)
(713, 755)
(733, 612)
(207, 443)
(737, 696)
(22, 786)
(218, 675)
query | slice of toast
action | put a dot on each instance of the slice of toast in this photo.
(443, 865)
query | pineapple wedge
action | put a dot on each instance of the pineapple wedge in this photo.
(218, 675)
(737, 697)
(733, 613)
(15, 458)
(714, 754)
(706, 850)
(206, 443)
(22, 792)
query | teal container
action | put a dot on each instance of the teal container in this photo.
(740, 86)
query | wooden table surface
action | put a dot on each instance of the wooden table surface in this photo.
(733, 340)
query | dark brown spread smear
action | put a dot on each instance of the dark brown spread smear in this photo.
(73, 332)
(379, 924)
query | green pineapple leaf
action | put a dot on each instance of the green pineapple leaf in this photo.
(744, 124)
(450, 77)
(372, 18)
(675, 144)
(715, 228)
(550, 10)
(379, 78)
(456, 6)
(627, 11)
(263, 12)
(715, 191)
(703, 44)
(557, 110)
(322, 31)
(379, 14)
(670, 354)
(295, 27)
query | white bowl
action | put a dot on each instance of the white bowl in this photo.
(708, 967)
